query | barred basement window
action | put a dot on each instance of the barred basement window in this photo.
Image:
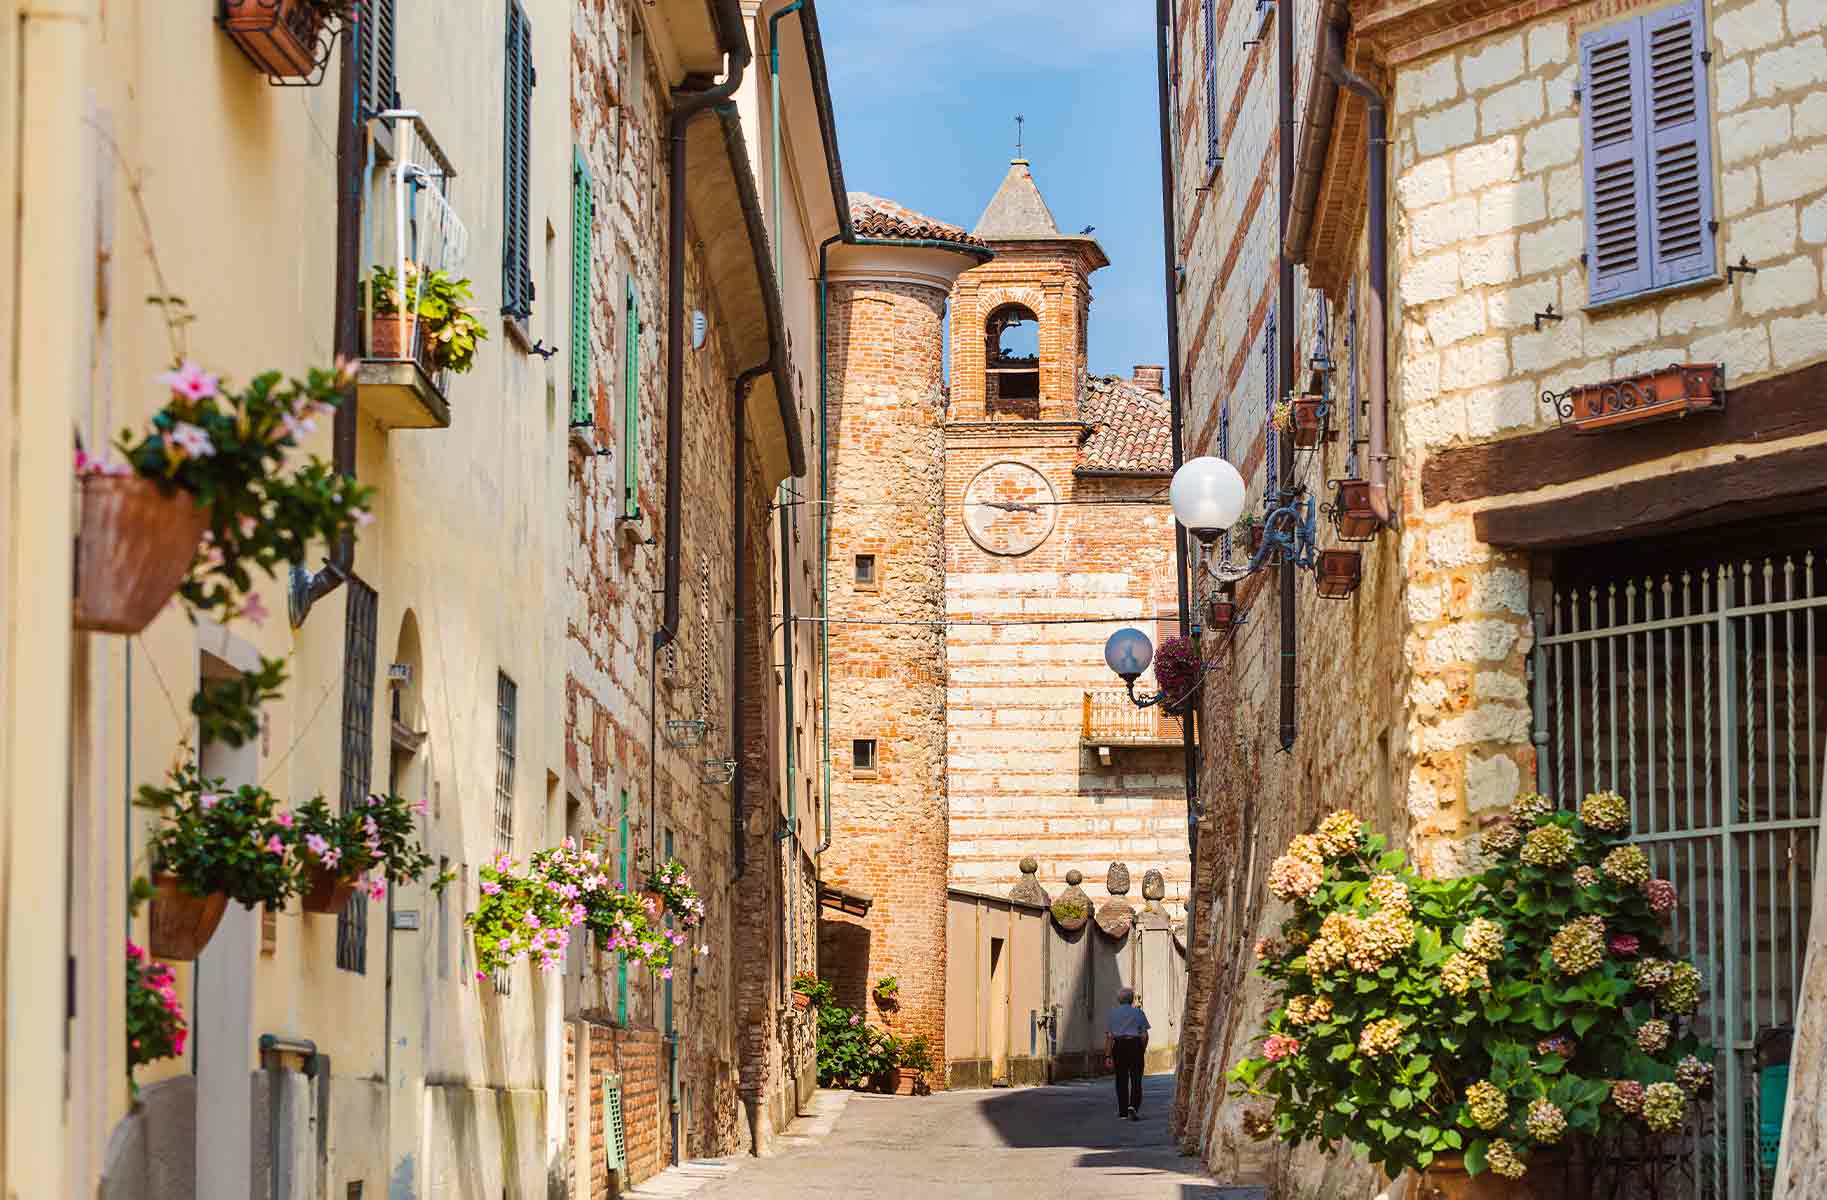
(358, 753)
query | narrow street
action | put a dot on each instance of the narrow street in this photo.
(1060, 1141)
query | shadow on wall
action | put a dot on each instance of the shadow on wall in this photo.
(843, 952)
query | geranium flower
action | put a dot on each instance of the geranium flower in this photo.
(190, 381)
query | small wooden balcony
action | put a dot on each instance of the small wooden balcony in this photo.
(1112, 720)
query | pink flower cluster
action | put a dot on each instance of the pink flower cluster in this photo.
(1279, 1046)
(157, 978)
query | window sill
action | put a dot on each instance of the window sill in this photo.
(865, 775)
(1651, 294)
(516, 330)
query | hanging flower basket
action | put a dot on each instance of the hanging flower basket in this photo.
(1309, 422)
(284, 38)
(326, 890)
(182, 924)
(1338, 572)
(135, 544)
(1352, 514)
(801, 1001)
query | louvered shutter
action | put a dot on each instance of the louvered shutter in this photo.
(1679, 155)
(583, 216)
(516, 270)
(1617, 194)
(1209, 36)
(379, 83)
(631, 407)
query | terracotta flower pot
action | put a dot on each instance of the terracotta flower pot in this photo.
(1339, 573)
(388, 337)
(1308, 427)
(1357, 521)
(182, 924)
(906, 1083)
(1222, 613)
(278, 36)
(133, 547)
(1447, 1179)
(329, 890)
(801, 1001)
(655, 902)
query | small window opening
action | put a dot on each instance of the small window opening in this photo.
(862, 756)
(1012, 375)
(865, 570)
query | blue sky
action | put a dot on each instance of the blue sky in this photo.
(926, 98)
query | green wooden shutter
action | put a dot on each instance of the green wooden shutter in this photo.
(517, 140)
(621, 959)
(583, 215)
(615, 1134)
(631, 409)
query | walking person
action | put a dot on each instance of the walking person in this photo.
(1125, 1048)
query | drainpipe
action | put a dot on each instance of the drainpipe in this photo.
(739, 420)
(1170, 273)
(686, 105)
(824, 525)
(1285, 331)
(308, 587)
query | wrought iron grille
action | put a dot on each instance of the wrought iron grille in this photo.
(358, 753)
(507, 702)
(1698, 694)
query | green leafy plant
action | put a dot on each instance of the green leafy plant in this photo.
(228, 710)
(1068, 911)
(887, 990)
(214, 840)
(378, 838)
(155, 1017)
(815, 989)
(1495, 1015)
(851, 1052)
(673, 883)
(450, 328)
(914, 1053)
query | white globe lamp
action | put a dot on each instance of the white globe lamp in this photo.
(1207, 495)
(1129, 652)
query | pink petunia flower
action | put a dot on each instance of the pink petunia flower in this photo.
(275, 846)
(377, 889)
(190, 381)
(191, 439)
(285, 819)
(208, 800)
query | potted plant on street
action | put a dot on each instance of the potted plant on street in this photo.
(429, 319)
(1473, 1030)
(367, 847)
(205, 492)
(212, 845)
(155, 1017)
(913, 1058)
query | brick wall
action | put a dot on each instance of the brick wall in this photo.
(888, 680)
(637, 1057)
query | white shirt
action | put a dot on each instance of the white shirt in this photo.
(1127, 1020)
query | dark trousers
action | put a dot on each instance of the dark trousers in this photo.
(1128, 1053)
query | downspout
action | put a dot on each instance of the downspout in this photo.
(308, 587)
(739, 420)
(1170, 279)
(1284, 329)
(686, 106)
(824, 525)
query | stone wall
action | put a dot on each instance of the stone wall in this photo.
(888, 678)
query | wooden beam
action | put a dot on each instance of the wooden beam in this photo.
(1750, 487)
(1780, 406)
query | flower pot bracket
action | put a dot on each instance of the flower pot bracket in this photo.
(1350, 512)
(1338, 573)
(1677, 390)
(1309, 426)
(288, 40)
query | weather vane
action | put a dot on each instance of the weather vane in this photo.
(1018, 122)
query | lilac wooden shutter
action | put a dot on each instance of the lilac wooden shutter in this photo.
(1617, 193)
(1212, 156)
(1680, 154)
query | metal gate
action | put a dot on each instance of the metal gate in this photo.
(1698, 695)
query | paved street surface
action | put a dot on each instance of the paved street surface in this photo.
(1006, 1144)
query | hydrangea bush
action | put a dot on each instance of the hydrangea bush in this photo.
(1492, 1016)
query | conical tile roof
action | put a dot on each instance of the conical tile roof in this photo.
(1016, 210)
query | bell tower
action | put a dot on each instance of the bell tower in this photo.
(1018, 321)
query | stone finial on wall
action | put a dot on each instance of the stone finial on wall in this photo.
(1154, 913)
(1073, 908)
(1028, 890)
(1117, 915)
(1154, 886)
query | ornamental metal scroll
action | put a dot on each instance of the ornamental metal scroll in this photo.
(1677, 390)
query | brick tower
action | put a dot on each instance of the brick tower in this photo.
(886, 399)
(1057, 534)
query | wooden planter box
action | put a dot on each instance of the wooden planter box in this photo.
(1309, 424)
(1338, 573)
(1677, 390)
(1351, 511)
(284, 38)
(133, 547)
(182, 924)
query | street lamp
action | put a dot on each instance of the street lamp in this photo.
(1207, 495)
(1129, 652)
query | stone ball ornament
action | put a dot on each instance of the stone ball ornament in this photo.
(1073, 908)
(1154, 885)
(1116, 880)
(1028, 890)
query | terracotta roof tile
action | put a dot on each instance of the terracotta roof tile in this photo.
(875, 217)
(1131, 428)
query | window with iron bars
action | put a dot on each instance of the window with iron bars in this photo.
(358, 753)
(506, 717)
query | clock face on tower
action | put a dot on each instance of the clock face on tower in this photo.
(1009, 508)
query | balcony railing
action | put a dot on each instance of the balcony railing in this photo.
(1111, 719)
(402, 384)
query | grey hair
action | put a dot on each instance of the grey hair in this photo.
(1126, 995)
